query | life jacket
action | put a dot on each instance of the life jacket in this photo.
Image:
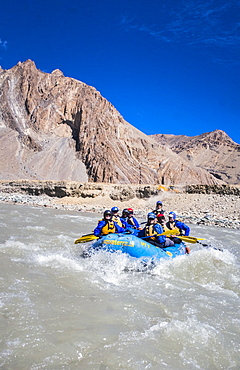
(117, 220)
(108, 228)
(130, 221)
(165, 228)
(149, 231)
(171, 226)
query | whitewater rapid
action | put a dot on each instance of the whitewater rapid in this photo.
(62, 311)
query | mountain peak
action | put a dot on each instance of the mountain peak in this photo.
(57, 128)
(214, 151)
(218, 136)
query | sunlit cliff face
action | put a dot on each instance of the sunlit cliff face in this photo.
(57, 128)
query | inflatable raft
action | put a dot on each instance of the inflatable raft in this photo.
(136, 247)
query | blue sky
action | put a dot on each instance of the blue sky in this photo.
(169, 66)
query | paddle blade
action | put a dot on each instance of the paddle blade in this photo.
(86, 238)
(187, 239)
(170, 232)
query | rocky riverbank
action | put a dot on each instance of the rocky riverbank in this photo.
(193, 208)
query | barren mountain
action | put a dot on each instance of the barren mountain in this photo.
(57, 128)
(214, 151)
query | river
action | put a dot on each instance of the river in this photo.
(62, 311)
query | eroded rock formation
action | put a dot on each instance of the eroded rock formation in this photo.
(214, 151)
(57, 128)
(62, 189)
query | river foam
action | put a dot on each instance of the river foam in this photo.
(60, 310)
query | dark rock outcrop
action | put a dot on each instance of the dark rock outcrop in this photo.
(62, 189)
(213, 189)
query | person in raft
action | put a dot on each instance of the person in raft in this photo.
(107, 225)
(124, 216)
(159, 208)
(116, 218)
(173, 223)
(162, 221)
(132, 221)
(152, 231)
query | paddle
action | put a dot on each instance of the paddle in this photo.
(90, 237)
(188, 239)
(191, 239)
(168, 232)
(86, 238)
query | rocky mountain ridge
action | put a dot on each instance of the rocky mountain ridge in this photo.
(57, 128)
(214, 151)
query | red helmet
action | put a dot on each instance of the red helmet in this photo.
(130, 210)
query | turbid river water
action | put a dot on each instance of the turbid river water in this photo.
(62, 311)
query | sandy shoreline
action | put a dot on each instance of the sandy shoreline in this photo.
(206, 209)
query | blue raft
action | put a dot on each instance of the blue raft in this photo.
(137, 247)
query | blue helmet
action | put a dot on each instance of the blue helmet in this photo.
(173, 215)
(107, 213)
(151, 216)
(159, 203)
(114, 209)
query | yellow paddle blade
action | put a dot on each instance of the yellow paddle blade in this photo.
(193, 237)
(86, 238)
(170, 232)
(187, 239)
(195, 240)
